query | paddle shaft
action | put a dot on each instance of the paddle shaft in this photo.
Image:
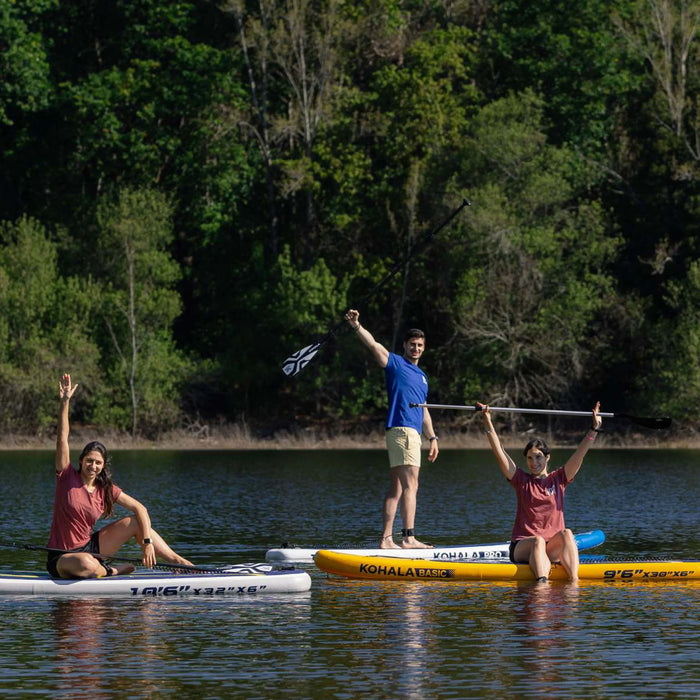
(544, 411)
(653, 423)
(105, 557)
(417, 248)
(296, 362)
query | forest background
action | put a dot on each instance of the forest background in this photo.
(192, 191)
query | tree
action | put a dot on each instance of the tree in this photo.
(24, 67)
(293, 45)
(137, 276)
(45, 322)
(533, 272)
(570, 55)
(671, 384)
(665, 34)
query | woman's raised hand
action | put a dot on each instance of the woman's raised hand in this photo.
(65, 390)
(485, 413)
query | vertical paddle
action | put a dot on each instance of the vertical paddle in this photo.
(655, 423)
(296, 362)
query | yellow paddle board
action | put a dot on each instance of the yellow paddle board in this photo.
(387, 568)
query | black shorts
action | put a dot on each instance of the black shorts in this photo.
(510, 551)
(92, 546)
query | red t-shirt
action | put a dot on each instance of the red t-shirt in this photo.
(75, 510)
(540, 504)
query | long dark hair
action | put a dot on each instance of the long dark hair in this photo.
(540, 444)
(104, 478)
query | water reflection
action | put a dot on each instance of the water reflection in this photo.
(543, 614)
(112, 647)
(412, 619)
(86, 631)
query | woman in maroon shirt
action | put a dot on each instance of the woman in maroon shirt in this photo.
(85, 494)
(539, 536)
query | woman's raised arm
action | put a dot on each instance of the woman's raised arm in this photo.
(65, 392)
(574, 462)
(505, 462)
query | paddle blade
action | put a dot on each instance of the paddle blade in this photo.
(296, 362)
(654, 423)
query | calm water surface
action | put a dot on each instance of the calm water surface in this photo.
(344, 639)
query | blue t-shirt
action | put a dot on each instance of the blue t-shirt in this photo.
(405, 384)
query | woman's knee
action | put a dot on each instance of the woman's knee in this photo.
(568, 537)
(114, 535)
(79, 566)
(126, 525)
(539, 543)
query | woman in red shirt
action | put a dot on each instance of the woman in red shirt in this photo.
(539, 536)
(85, 494)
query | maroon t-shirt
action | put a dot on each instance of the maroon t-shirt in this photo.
(75, 510)
(540, 504)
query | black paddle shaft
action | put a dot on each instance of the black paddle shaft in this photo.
(104, 557)
(296, 362)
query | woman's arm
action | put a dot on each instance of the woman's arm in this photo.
(144, 521)
(506, 464)
(65, 392)
(380, 353)
(576, 460)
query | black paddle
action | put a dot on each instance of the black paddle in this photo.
(655, 423)
(104, 557)
(296, 362)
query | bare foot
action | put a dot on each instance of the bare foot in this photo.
(388, 543)
(413, 543)
(119, 570)
(179, 560)
(182, 562)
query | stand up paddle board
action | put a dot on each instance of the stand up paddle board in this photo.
(398, 569)
(298, 555)
(243, 579)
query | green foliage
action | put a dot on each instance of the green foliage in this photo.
(672, 385)
(137, 278)
(535, 271)
(570, 54)
(306, 299)
(421, 105)
(24, 68)
(137, 118)
(192, 192)
(44, 326)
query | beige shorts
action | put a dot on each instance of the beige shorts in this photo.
(404, 446)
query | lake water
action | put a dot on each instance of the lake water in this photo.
(345, 639)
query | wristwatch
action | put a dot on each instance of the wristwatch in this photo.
(147, 540)
(435, 437)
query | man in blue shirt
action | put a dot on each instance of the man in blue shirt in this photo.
(405, 384)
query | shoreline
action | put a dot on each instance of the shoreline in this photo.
(240, 438)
